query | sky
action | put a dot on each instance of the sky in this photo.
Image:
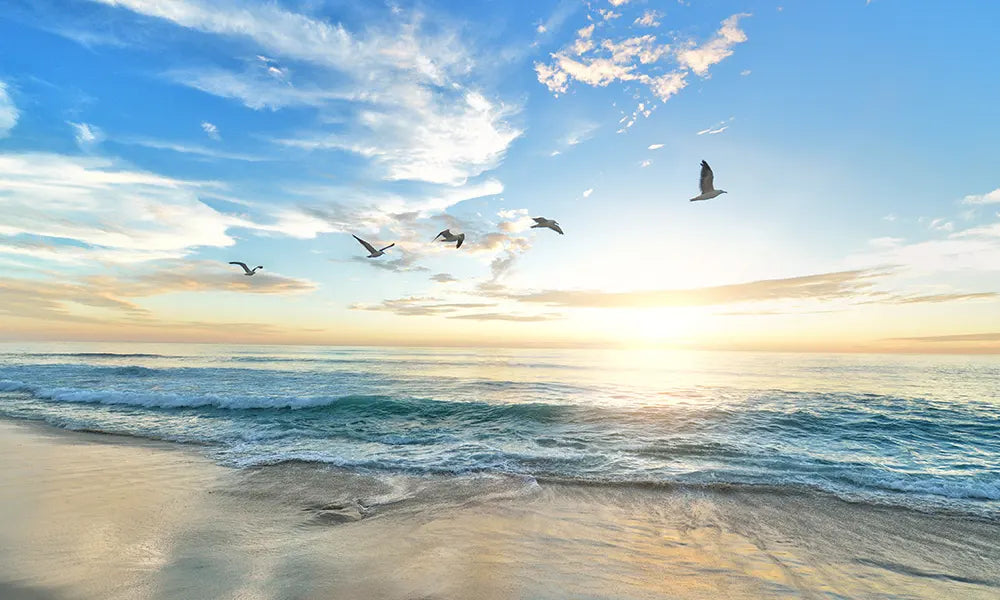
(144, 144)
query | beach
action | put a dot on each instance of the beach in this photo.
(100, 516)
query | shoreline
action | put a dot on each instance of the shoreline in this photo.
(94, 515)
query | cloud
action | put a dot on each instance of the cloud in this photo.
(86, 134)
(648, 19)
(124, 215)
(936, 298)
(655, 146)
(210, 130)
(406, 263)
(745, 72)
(717, 128)
(419, 306)
(824, 286)
(700, 58)
(961, 337)
(988, 198)
(191, 149)
(62, 301)
(401, 88)
(443, 278)
(587, 192)
(617, 3)
(645, 163)
(941, 225)
(8, 111)
(636, 59)
(508, 317)
(454, 140)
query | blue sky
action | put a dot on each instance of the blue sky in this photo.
(145, 144)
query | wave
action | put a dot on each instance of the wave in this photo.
(367, 405)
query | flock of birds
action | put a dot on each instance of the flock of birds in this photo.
(706, 184)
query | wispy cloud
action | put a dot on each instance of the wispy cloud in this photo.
(210, 130)
(416, 306)
(717, 128)
(959, 337)
(86, 134)
(988, 198)
(655, 146)
(43, 298)
(587, 192)
(195, 149)
(648, 19)
(413, 112)
(824, 286)
(600, 63)
(699, 58)
(8, 111)
(508, 317)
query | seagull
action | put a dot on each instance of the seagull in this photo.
(707, 191)
(372, 252)
(246, 270)
(550, 223)
(448, 236)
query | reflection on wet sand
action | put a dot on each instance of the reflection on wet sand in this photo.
(94, 516)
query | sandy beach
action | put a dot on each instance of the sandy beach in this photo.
(98, 516)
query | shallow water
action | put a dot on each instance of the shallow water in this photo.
(921, 432)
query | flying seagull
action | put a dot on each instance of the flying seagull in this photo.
(372, 252)
(246, 270)
(550, 223)
(707, 191)
(448, 236)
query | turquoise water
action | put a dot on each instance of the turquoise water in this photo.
(916, 431)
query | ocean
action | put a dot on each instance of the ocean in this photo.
(916, 432)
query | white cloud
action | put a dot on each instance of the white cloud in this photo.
(587, 192)
(700, 58)
(106, 209)
(86, 134)
(190, 149)
(607, 14)
(655, 146)
(648, 19)
(404, 89)
(636, 59)
(452, 143)
(8, 112)
(717, 128)
(941, 225)
(988, 198)
(210, 130)
(745, 72)
(645, 163)
(617, 2)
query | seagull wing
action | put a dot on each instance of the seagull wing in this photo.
(244, 265)
(539, 220)
(387, 247)
(555, 227)
(446, 233)
(368, 247)
(707, 178)
(461, 238)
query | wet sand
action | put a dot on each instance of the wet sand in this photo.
(95, 516)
